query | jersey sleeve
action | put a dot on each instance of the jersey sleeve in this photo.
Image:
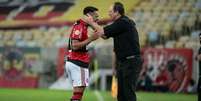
(76, 33)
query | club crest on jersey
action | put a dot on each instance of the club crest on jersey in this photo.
(77, 32)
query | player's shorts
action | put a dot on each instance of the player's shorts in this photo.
(78, 75)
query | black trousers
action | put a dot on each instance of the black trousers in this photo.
(127, 75)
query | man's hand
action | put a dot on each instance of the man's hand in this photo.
(89, 19)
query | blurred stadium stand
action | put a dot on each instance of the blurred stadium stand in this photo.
(50, 37)
(45, 24)
(168, 23)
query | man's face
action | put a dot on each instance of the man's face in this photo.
(94, 15)
(111, 13)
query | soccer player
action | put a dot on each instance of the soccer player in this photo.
(78, 58)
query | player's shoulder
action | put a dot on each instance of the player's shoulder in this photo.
(77, 23)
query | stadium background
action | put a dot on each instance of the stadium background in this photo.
(34, 35)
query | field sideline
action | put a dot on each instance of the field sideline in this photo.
(59, 95)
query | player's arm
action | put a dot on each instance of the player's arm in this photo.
(76, 37)
(76, 44)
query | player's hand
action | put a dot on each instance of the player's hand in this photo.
(100, 33)
(94, 37)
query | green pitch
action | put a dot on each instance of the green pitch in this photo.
(57, 95)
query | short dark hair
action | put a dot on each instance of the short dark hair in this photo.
(89, 9)
(119, 7)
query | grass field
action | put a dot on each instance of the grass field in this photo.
(57, 95)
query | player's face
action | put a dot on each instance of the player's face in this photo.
(111, 13)
(95, 16)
